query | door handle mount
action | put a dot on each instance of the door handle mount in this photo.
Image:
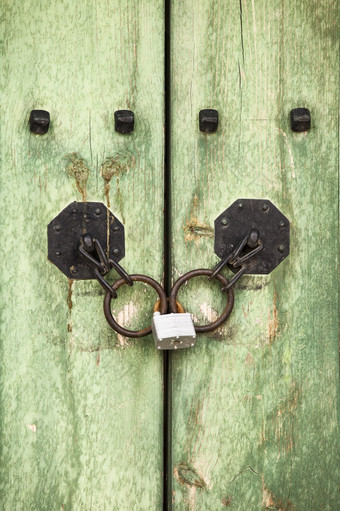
(85, 241)
(251, 237)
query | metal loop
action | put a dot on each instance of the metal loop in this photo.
(240, 260)
(253, 241)
(180, 308)
(198, 273)
(107, 305)
(121, 272)
(103, 266)
(230, 258)
(101, 254)
(234, 279)
(105, 285)
(91, 261)
(219, 266)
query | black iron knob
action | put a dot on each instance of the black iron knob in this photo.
(208, 120)
(300, 119)
(39, 122)
(124, 121)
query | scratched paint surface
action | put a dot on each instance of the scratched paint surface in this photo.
(255, 404)
(81, 409)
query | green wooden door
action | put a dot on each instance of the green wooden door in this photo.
(81, 409)
(254, 407)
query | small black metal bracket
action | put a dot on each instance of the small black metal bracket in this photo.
(250, 215)
(67, 230)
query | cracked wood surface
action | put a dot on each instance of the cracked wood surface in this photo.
(255, 405)
(81, 408)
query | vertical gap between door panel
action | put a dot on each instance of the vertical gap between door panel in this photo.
(167, 478)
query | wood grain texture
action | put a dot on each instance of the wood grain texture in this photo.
(255, 405)
(81, 409)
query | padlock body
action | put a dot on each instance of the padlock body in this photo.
(173, 331)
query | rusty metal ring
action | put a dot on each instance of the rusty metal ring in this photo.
(179, 306)
(107, 305)
(198, 273)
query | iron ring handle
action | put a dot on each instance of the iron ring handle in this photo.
(179, 307)
(198, 273)
(107, 305)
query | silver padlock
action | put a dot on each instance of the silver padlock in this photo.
(173, 331)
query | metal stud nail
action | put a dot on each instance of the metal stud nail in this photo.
(39, 122)
(208, 120)
(124, 121)
(300, 119)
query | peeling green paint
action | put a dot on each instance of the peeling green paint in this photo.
(78, 169)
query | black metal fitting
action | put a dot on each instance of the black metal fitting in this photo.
(253, 234)
(77, 236)
(39, 122)
(208, 120)
(300, 119)
(124, 121)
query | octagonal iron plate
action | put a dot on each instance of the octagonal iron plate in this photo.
(235, 223)
(79, 218)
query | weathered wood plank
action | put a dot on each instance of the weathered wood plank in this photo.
(255, 404)
(81, 410)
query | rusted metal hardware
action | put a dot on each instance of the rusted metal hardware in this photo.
(100, 263)
(107, 305)
(39, 122)
(208, 120)
(261, 232)
(198, 273)
(244, 227)
(300, 119)
(179, 306)
(236, 259)
(85, 241)
(76, 241)
(251, 236)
